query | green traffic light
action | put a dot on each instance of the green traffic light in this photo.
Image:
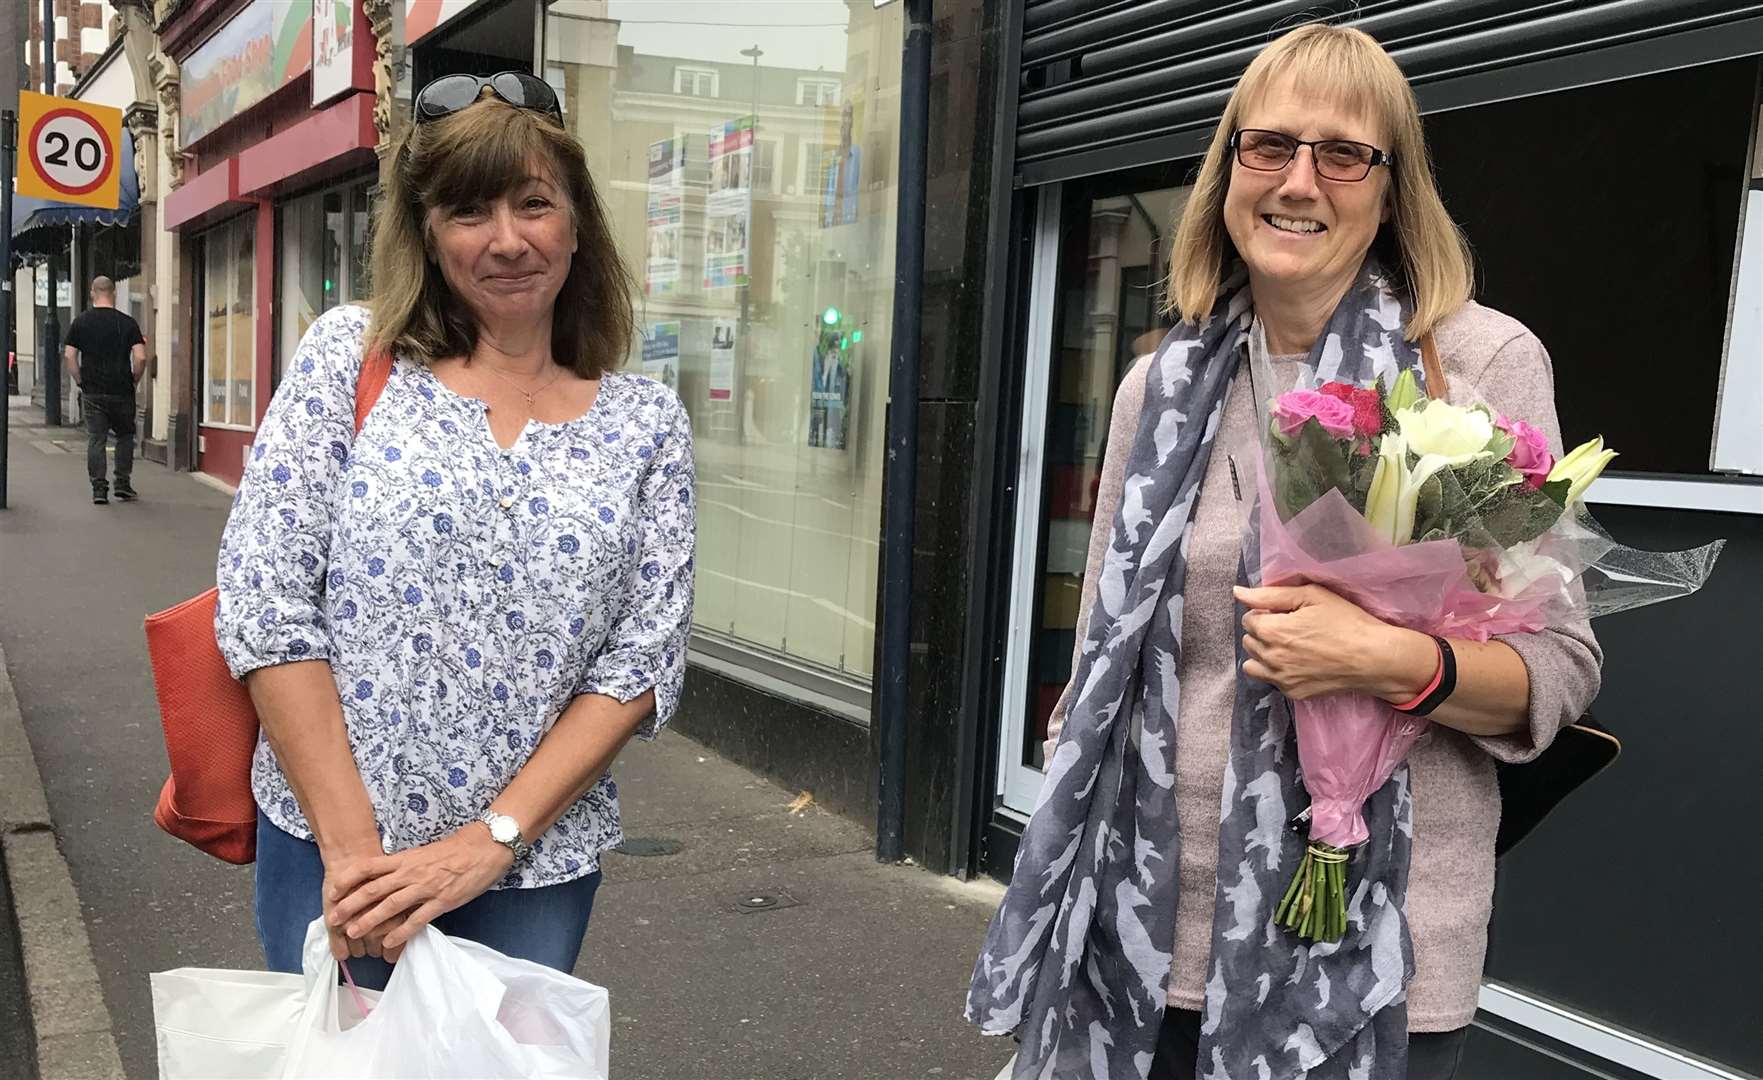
(856, 337)
(831, 316)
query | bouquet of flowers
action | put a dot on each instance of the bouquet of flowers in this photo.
(1454, 521)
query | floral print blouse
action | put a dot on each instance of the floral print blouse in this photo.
(464, 594)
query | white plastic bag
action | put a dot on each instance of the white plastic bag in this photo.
(452, 1010)
(213, 1024)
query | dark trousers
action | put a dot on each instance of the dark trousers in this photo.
(106, 413)
(1431, 1055)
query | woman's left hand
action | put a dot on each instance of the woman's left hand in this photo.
(1306, 640)
(420, 884)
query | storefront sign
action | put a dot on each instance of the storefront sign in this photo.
(667, 170)
(267, 45)
(63, 292)
(661, 354)
(722, 360)
(728, 211)
(334, 29)
(70, 150)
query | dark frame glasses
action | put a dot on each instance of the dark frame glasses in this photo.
(1335, 159)
(450, 93)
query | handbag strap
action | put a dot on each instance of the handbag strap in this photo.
(1436, 387)
(376, 371)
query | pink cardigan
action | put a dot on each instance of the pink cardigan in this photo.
(1486, 356)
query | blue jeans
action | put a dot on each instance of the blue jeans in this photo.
(543, 925)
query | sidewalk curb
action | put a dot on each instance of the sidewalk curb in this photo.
(72, 1024)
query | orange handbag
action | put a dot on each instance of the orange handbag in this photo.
(210, 724)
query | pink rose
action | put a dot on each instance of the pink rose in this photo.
(1530, 451)
(1292, 409)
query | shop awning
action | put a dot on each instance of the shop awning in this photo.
(37, 223)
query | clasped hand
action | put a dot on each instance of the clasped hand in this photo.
(374, 905)
(1306, 640)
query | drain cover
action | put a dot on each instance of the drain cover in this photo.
(763, 901)
(644, 847)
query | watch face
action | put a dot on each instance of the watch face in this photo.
(504, 830)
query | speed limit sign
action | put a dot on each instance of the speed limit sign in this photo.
(70, 151)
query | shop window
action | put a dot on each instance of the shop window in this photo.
(324, 257)
(1113, 252)
(229, 338)
(764, 300)
(1609, 226)
(695, 82)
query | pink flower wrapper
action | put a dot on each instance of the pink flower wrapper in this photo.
(1349, 744)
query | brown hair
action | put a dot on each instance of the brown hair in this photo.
(1420, 245)
(483, 152)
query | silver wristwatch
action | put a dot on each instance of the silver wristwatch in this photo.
(506, 831)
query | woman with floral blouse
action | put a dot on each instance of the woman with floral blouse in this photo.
(451, 622)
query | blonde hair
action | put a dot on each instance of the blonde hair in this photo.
(1420, 245)
(479, 153)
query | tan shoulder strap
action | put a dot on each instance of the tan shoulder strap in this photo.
(1436, 387)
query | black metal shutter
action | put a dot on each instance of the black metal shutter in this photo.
(1108, 84)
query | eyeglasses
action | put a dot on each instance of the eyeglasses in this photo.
(451, 93)
(1336, 159)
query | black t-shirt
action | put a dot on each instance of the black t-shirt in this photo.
(105, 336)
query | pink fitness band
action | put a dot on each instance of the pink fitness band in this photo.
(1443, 684)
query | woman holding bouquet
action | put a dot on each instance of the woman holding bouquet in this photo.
(1138, 937)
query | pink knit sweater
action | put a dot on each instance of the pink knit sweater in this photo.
(1486, 356)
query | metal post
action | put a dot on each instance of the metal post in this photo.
(900, 481)
(49, 341)
(745, 351)
(8, 141)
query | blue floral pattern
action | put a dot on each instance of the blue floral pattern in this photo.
(463, 594)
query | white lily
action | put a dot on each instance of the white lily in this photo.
(1395, 488)
(1581, 467)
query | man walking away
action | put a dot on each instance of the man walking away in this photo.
(106, 356)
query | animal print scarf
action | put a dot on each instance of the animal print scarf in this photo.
(1078, 956)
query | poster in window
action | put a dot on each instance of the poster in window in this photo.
(333, 49)
(829, 401)
(729, 208)
(667, 170)
(842, 172)
(661, 354)
(722, 360)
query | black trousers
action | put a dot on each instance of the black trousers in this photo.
(1431, 1055)
(104, 414)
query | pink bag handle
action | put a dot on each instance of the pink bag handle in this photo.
(354, 991)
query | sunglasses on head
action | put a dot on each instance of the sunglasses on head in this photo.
(451, 93)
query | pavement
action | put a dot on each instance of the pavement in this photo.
(767, 944)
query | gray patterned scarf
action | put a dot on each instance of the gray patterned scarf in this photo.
(1078, 955)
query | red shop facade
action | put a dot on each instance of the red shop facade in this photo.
(276, 137)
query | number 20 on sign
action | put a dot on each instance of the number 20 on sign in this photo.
(69, 151)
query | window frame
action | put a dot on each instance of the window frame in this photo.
(817, 88)
(227, 233)
(684, 72)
